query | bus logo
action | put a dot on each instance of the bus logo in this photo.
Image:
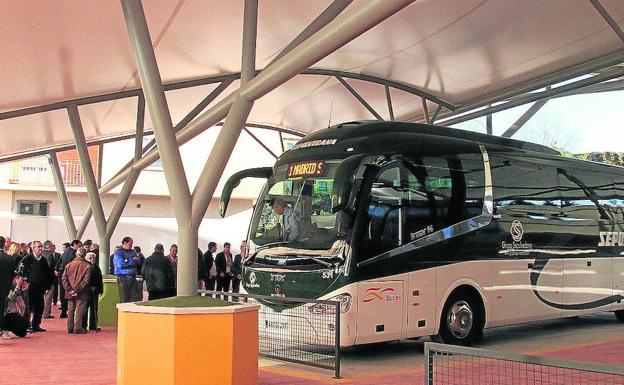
(517, 231)
(252, 280)
(385, 295)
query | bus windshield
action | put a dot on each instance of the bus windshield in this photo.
(294, 216)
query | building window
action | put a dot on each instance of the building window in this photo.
(37, 208)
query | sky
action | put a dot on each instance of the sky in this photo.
(579, 124)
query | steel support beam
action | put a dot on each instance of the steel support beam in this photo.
(359, 98)
(489, 129)
(612, 73)
(556, 77)
(521, 121)
(140, 125)
(100, 162)
(84, 223)
(389, 101)
(92, 190)
(62, 194)
(350, 24)
(425, 111)
(234, 123)
(605, 15)
(261, 143)
(193, 113)
(175, 175)
(281, 138)
(321, 21)
(435, 114)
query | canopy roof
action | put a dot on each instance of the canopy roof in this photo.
(457, 54)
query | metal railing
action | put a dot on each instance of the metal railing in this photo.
(303, 331)
(449, 364)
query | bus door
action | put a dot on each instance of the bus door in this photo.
(527, 272)
(590, 241)
(381, 300)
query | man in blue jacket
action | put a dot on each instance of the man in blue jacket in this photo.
(126, 261)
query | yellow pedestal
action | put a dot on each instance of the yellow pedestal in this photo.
(190, 346)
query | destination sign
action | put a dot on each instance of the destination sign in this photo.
(306, 169)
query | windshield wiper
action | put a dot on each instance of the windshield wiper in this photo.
(269, 245)
(317, 260)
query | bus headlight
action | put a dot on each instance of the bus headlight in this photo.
(322, 308)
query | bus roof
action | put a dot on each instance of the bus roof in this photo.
(368, 128)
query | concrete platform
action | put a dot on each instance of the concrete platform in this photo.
(56, 357)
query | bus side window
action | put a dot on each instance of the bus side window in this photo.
(474, 180)
(583, 193)
(522, 188)
(382, 226)
(618, 199)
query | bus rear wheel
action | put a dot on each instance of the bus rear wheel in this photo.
(461, 322)
(619, 314)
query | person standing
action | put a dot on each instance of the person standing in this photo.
(67, 257)
(76, 278)
(210, 266)
(173, 259)
(202, 273)
(7, 267)
(126, 261)
(39, 274)
(57, 273)
(158, 275)
(224, 268)
(137, 250)
(96, 288)
(54, 261)
(237, 268)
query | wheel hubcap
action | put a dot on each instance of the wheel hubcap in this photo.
(460, 319)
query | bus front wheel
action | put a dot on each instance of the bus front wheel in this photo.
(461, 322)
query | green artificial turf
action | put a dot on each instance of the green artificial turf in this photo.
(187, 301)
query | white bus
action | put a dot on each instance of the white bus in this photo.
(421, 230)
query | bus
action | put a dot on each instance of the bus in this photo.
(420, 230)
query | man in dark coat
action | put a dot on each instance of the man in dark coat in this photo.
(54, 262)
(237, 268)
(7, 267)
(67, 257)
(40, 278)
(158, 274)
(96, 288)
(223, 261)
(209, 266)
(202, 274)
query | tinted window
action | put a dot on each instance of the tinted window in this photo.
(583, 192)
(382, 224)
(523, 188)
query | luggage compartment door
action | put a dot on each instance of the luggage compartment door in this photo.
(381, 311)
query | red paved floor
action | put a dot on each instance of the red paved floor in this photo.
(56, 357)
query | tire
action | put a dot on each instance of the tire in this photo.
(619, 314)
(461, 322)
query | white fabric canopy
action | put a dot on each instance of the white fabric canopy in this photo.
(458, 51)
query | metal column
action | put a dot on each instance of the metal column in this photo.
(234, 123)
(62, 194)
(92, 190)
(166, 142)
(350, 24)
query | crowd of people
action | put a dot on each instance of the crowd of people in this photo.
(34, 277)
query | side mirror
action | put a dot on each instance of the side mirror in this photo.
(234, 181)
